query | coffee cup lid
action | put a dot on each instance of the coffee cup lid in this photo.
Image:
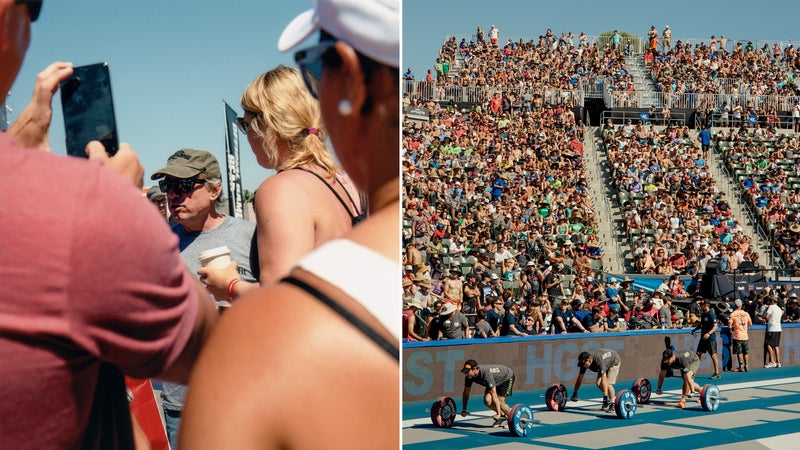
(212, 252)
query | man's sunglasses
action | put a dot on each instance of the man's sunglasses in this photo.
(179, 186)
(34, 7)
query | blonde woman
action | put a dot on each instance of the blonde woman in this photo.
(310, 200)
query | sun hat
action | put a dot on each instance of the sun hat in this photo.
(372, 27)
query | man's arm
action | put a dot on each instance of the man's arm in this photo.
(465, 400)
(204, 324)
(578, 383)
(661, 376)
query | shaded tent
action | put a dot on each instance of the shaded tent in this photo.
(716, 287)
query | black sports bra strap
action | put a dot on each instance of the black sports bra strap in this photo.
(392, 349)
(338, 197)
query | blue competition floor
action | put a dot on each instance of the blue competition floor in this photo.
(760, 409)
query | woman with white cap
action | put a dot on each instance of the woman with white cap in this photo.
(341, 352)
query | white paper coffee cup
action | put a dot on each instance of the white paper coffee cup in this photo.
(216, 258)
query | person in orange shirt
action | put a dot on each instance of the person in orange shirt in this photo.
(739, 322)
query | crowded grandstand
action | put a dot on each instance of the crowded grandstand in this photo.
(604, 174)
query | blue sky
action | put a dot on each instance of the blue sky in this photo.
(172, 64)
(426, 23)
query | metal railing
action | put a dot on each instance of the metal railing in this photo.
(479, 94)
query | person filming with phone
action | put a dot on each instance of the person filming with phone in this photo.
(106, 293)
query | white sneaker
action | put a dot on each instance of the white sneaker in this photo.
(778, 365)
(769, 365)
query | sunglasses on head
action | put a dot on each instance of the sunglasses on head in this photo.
(180, 186)
(34, 7)
(311, 60)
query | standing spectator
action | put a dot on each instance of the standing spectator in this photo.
(666, 36)
(413, 324)
(708, 338)
(472, 298)
(106, 292)
(453, 287)
(192, 181)
(439, 68)
(773, 316)
(494, 35)
(283, 126)
(451, 323)
(495, 315)
(358, 51)
(704, 137)
(665, 312)
(739, 323)
(796, 117)
(615, 39)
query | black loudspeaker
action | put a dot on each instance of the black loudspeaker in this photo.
(713, 267)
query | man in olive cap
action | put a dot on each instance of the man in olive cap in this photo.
(192, 183)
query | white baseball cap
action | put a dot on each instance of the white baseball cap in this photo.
(372, 27)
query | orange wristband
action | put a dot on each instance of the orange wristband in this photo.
(231, 286)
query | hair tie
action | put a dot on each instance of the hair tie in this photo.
(313, 131)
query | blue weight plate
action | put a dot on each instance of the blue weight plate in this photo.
(520, 420)
(625, 404)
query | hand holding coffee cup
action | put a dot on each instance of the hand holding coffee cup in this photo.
(217, 271)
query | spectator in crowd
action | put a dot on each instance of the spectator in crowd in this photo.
(594, 322)
(359, 100)
(510, 325)
(158, 198)
(665, 312)
(414, 326)
(192, 181)
(283, 125)
(482, 329)
(450, 324)
(117, 299)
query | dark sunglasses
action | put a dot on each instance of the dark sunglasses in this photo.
(179, 186)
(34, 7)
(310, 62)
(243, 124)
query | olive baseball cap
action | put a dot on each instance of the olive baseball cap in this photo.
(190, 163)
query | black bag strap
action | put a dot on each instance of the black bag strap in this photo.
(392, 349)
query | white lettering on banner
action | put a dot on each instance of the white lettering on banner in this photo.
(417, 365)
(539, 365)
(453, 362)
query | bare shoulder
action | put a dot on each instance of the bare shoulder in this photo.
(280, 360)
